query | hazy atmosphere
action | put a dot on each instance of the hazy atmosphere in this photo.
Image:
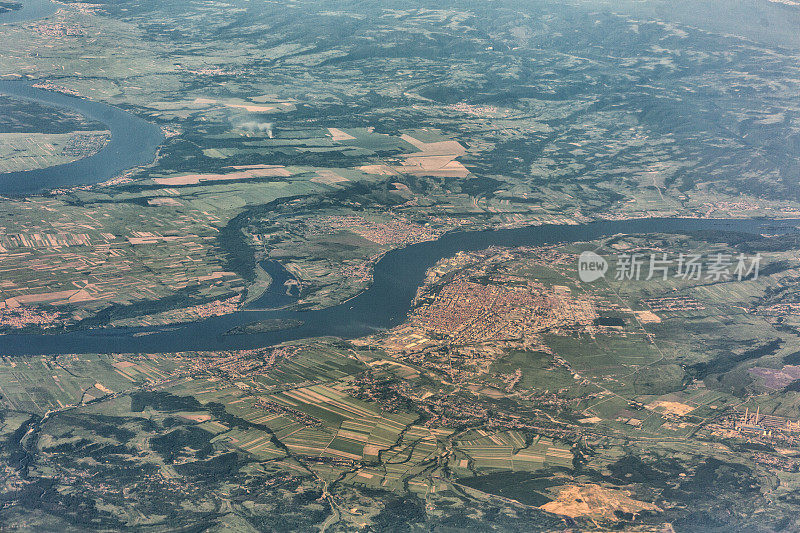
(399, 266)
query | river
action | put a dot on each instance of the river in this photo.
(133, 142)
(384, 304)
(31, 10)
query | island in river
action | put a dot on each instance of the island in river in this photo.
(15, 12)
(134, 142)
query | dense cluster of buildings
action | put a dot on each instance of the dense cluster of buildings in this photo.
(395, 232)
(469, 312)
(765, 425)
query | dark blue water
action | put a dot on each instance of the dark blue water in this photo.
(134, 142)
(385, 304)
(279, 293)
(31, 10)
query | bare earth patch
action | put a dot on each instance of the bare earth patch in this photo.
(594, 501)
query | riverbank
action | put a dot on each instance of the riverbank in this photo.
(383, 305)
(134, 142)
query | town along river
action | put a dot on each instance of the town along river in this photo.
(384, 305)
(134, 142)
(282, 291)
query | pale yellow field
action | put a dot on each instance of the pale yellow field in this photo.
(193, 179)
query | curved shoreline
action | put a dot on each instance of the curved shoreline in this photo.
(31, 10)
(383, 305)
(134, 142)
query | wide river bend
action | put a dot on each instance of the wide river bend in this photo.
(384, 304)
